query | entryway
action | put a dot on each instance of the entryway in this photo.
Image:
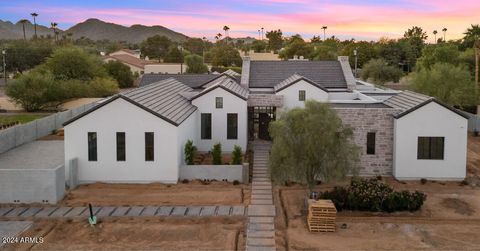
(259, 118)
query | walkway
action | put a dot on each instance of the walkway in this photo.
(261, 211)
(136, 211)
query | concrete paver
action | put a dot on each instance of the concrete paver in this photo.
(105, 211)
(179, 211)
(194, 211)
(135, 211)
(238, 211)
(5, 210)
(208, 211)
(46, 211)
(164, 211)
(261, 219)
(31, 211)
(15, 212)
(76, 212)
(120, 211)
(60, 212)
(150, 211)
(223, 210)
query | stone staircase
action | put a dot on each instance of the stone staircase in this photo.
(261, 211)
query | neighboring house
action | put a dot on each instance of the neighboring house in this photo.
(165, 68)
(260, 56)
(139, 136)
(129, 58)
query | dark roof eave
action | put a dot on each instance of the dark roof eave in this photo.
(306, 80)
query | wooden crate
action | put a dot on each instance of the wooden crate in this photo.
(321, 216)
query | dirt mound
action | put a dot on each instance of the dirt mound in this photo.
(460, 206)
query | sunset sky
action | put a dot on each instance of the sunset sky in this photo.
(362, 20)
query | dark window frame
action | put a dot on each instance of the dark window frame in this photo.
(149, 146)
(431, 148)
(206, 128)
(371, 142)
(121, 146)
(92, 146)
(232, 130)
(219, 102)
(302, 95)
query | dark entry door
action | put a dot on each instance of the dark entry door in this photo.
(263, 122)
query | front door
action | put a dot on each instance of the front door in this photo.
(263, 122)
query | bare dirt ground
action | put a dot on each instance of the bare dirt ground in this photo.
(193, 193)
(449, 219)
(137, 234)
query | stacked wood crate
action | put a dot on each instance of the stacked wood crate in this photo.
(321, 216)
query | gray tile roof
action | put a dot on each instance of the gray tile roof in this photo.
(293, 79)
(267, 74)
(227, 84)
(408, 101)
(192, 80)
(163, 99)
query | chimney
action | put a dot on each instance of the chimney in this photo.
(347, 72)
(245, 72)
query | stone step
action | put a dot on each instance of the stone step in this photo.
(261, 242)
(260, 226)
(261, 196)
(262, 183)
(262, 191)
(263, 187)
(257, 248)
(261, 202)
(261, 210)
(261, 234)
(260, 219)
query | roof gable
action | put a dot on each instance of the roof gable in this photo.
(227, 84)
(295, 78)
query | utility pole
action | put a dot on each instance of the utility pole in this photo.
(203, 48)
(4, 54)
(477, 65)
(181, 55)
(355, 53)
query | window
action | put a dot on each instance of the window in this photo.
(232, 126)
(149, 150)
(430, 147)
(218, 102)
(301, 95)
(206, 125)
(92, 146)
(371, 143)
(120, 146)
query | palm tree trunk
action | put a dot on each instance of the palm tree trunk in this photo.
(35, 26)
(24, 36)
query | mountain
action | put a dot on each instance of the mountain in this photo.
(98, 30)
(9, 30)
(94, 29)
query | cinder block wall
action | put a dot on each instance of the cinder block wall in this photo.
(380, 121)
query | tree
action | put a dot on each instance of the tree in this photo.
(311, 144)
(226, 29)
(120, 72)
(195, 64)
(446, 82)
(435, 34)
(258, 46)
(440, 53)
(35, 91)
(296, 46)
(74, 63)
(470, 36)
(34, 15)
(174, 55)
(23, 22)
(54, 26)
(24, 55)
(155, 47)
(365, 52)
(194, 45)
(379, 72)
(225, 55)
(275, 40)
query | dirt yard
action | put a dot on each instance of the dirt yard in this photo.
(193, 193)
(449, 219)
(137, 234)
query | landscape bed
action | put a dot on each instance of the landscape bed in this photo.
(156, 194)
(136, 234)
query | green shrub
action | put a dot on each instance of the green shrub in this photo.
(217, 154)
(373, 195)
(190, 151)
(101, 87)
(237, 155)
(120, 72)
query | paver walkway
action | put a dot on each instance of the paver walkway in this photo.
(135, 211)
(12, 229)
(261, 211)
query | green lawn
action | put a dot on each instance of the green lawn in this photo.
(22, 118)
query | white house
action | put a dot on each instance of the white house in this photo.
(139, 136)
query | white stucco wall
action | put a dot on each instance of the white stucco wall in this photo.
(290, 94)
(122, 116)
(231, 104)
(165, 68)
(187, 131)
(431, 120)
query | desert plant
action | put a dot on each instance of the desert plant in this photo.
(190, 151)
(423, 181)
(237, 155)
(217, 154)
(236, 182)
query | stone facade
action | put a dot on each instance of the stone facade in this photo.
(265, 100)
(380, 121)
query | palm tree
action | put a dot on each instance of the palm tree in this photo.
(218, 36)
(435, 34)
(444, 33)
(34, 15)
(324, 28)
(54, 26)
(259, 34)
(226, 29)
(262, 33)
(23, 22)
